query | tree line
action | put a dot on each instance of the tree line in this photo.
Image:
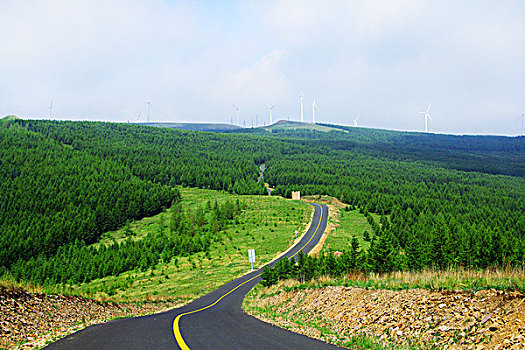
(52, 196)
(190, 231)
(62, 184)
(430, 216)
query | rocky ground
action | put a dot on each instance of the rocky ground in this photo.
(32, 320)
(487, 319)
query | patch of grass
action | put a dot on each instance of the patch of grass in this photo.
(267, 224)
(351, 223)
(7, 282)
(507, 279)
(343, 225)
(362, 342)
(293, 125)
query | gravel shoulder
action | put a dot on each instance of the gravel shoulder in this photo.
(32, 320)
(487, 319)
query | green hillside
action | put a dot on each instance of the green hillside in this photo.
(287, 125)
(486, 154)
(54, 195)
(10, 117)
(63, 184)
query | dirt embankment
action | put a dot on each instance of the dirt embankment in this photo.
(31, 320)
(486, 319)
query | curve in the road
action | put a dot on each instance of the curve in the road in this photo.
(176, 328)
(221, 323)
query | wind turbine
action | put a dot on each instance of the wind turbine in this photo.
(521, 117)
(427, 116)
(302, 97)
(238, 112)
(355, 121)
(313, 111)
(149, 110)
(50, 109)
(270, 107)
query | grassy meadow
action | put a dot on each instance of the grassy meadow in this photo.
(342, 225)
(348, 224)
(267, 224)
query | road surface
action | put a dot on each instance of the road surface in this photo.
(261, 168)
(214, 321)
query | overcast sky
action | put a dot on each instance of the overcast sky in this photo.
(382, 60)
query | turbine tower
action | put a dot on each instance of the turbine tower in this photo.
(270, 107)
(50, 109)
(313, 111)
(302, 115)
(521, 117)
(427, 116)
(149, 111)
(355, 121)
(238, 112)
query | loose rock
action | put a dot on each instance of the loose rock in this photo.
(447, 319)
(55, 316)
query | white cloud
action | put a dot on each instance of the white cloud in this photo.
(261, 83)
(382, 59)
(301, 22)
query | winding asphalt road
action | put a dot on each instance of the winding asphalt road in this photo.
(214, 321)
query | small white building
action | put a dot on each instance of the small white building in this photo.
(296, 195)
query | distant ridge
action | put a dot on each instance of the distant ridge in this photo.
(294, 125)
(218, 127)
(11, 117)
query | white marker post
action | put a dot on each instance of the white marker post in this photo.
(251, 256)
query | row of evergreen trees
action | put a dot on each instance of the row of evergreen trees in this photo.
(430, 216)
(306, 267)
(52, 195)
(166, 156)
(190, 231)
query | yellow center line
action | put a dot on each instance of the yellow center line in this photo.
(176, 328)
